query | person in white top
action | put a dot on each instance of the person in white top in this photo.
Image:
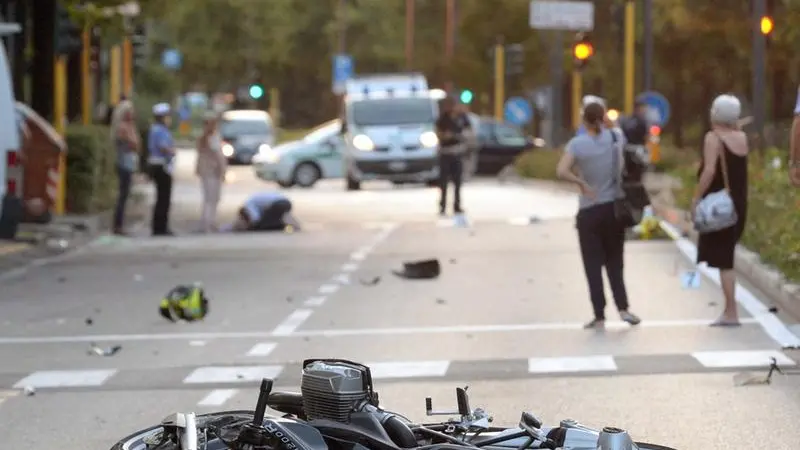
(794, 145)
(211, 167)
(266, 211)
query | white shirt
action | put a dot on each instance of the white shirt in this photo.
(257, 203)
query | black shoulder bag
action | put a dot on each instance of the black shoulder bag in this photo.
(626, 214)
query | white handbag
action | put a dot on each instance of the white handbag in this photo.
(716, 211)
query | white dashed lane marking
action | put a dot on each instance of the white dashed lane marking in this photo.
(262, 349)
(291, 323)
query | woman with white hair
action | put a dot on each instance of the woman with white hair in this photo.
(724, 166)
(211, 167)
(125, 138)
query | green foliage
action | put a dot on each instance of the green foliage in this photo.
(539, 164)
(91, 173)
(156, 82)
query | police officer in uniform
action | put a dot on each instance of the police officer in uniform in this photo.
(160, 159)
(450, 128)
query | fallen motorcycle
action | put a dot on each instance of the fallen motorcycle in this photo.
(338, 409)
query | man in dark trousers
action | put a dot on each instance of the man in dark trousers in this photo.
(450, 128)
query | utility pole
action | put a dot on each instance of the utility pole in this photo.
(630, 48)
(647, 12)
(410, 17)
(450, 43)
(342, 26)
(759, 68)
(86, 75)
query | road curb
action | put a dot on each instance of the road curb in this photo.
(784, 294)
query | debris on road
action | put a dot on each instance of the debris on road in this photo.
(453, 261)
(29, 391)
(62, 279)
(773, 309)
(441, 301)
(420, 270)
(751, 379)
(108, 351)
(138, 277)
(89, 321)
(371, 281)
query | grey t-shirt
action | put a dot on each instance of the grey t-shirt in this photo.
(593, 158)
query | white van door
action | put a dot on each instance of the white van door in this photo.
(9, 132)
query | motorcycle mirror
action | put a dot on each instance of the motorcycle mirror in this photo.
(529, 420)
(261, 403)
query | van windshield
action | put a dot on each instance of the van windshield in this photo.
(392, 111)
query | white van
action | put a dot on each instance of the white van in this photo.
(389, 130)
(10, 181)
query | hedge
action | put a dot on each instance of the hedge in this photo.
(91, 170)
(773, 206)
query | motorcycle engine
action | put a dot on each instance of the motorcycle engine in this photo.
(333, 390)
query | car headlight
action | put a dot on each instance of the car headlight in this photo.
(429, 139)
(264, 148)
(227, 150)
(364, 143)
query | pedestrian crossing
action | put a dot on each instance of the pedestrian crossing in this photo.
(289, 374)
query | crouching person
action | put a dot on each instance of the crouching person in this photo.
(266, 211)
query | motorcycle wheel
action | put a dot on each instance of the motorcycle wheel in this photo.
(646, 446)
(134, 440)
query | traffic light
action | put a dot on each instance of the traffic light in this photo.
(582, 50)
(767, 24)
(515, 59)
(466, 96)
(139, 44)
(68, 35)
(256, 91)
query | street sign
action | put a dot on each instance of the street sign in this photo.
(342, 71)
(518, 111)
(561, 15)
(658, 105)
(171, 59)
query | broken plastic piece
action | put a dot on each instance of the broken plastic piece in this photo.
(109, 351)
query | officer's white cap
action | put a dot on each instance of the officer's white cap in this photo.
(161, 109)
(589, 99)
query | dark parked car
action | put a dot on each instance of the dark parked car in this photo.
(246, 133)
(499, 143)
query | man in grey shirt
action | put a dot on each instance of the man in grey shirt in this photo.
(597, 156)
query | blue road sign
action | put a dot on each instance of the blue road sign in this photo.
(171, 59)
(184, 113)
(659, 107)
(342, 71)
(518, 111)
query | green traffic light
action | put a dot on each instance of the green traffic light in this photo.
(256, 92)
(466, 96)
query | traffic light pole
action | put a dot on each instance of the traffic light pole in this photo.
(630, 63)
(499, 78)
(577, 93)
(759, 69)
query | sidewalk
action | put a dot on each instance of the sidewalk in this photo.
(36, 242)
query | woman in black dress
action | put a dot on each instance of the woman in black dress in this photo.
(724, 150)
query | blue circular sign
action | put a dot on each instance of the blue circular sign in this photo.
(171, 59)
(518, 111)
(658, 105)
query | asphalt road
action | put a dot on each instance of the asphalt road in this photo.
(504, 318)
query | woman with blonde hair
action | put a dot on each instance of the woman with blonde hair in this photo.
(724, 167)
(125, 138)
(211, 167)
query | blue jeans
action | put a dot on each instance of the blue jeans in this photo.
(124, 176)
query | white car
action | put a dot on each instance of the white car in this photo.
(304, 162)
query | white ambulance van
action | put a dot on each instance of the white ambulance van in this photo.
(389, 130)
